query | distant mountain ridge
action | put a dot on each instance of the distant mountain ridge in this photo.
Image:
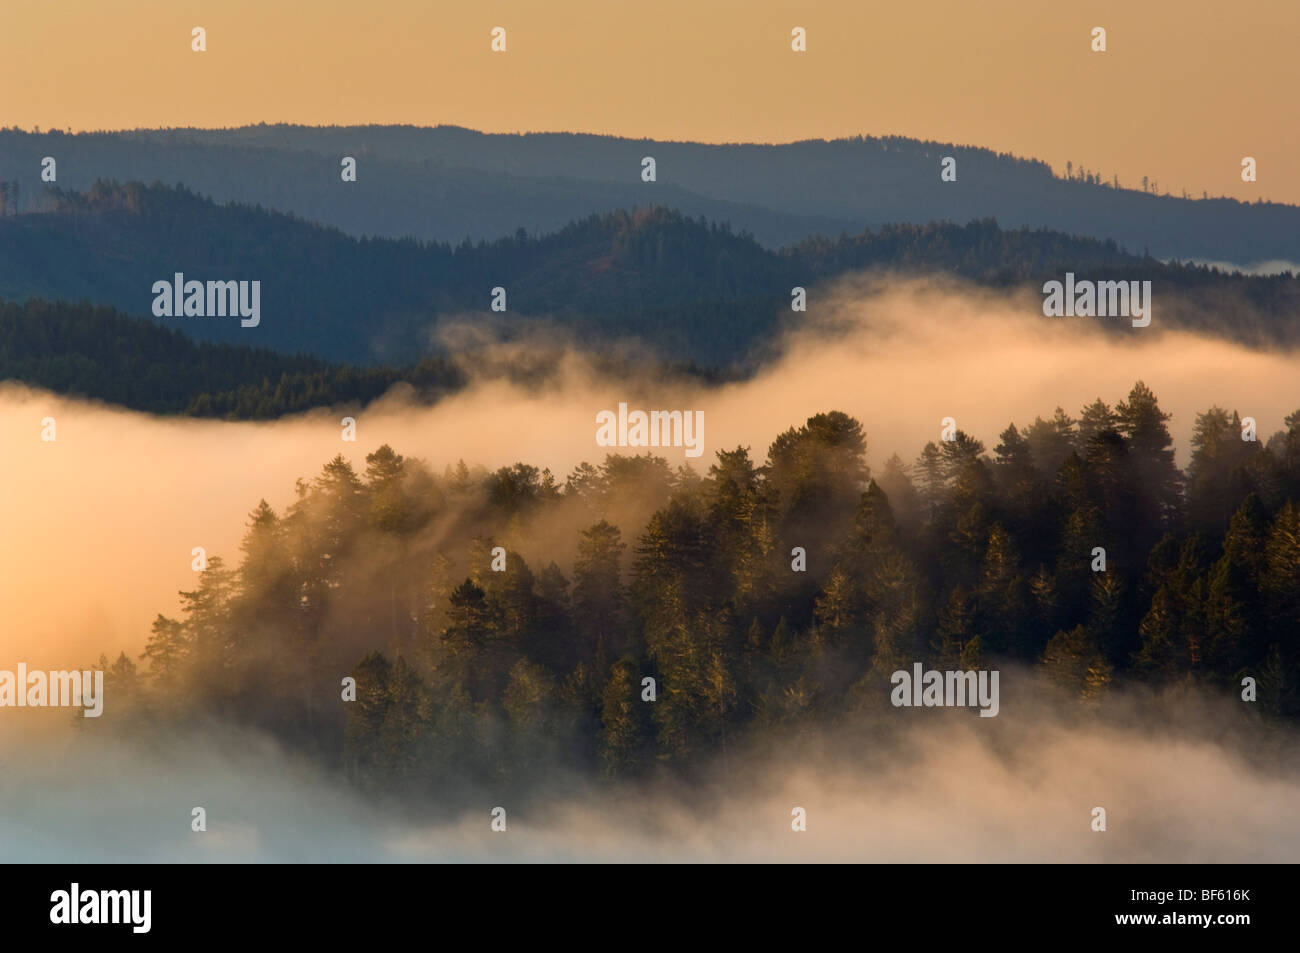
(691, 291)
(447, 183)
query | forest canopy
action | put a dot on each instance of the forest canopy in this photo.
(964, 558)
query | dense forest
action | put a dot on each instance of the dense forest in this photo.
(689, 290)
(90, 351)
(964, 558)
(445, 183)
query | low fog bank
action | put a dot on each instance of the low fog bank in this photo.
(99, 525)
(1273, 266)
(1182, 777)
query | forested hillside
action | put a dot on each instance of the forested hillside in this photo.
(966, 558)
(85, 350)
(447, 183)
(689, 290)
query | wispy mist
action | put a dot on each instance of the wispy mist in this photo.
(99, 525)
(1182, 779)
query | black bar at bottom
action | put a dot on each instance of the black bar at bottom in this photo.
(664, 903)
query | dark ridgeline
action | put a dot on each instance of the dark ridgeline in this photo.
(446, 183)
(92, 351)
(962, 559)
(692, 292)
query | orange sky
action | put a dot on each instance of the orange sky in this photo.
(1185, 90)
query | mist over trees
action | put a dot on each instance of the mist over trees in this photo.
(691, 289)
(964, 558)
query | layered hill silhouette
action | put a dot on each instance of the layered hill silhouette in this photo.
(689, 290)
(447, 183)
(91, 351)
